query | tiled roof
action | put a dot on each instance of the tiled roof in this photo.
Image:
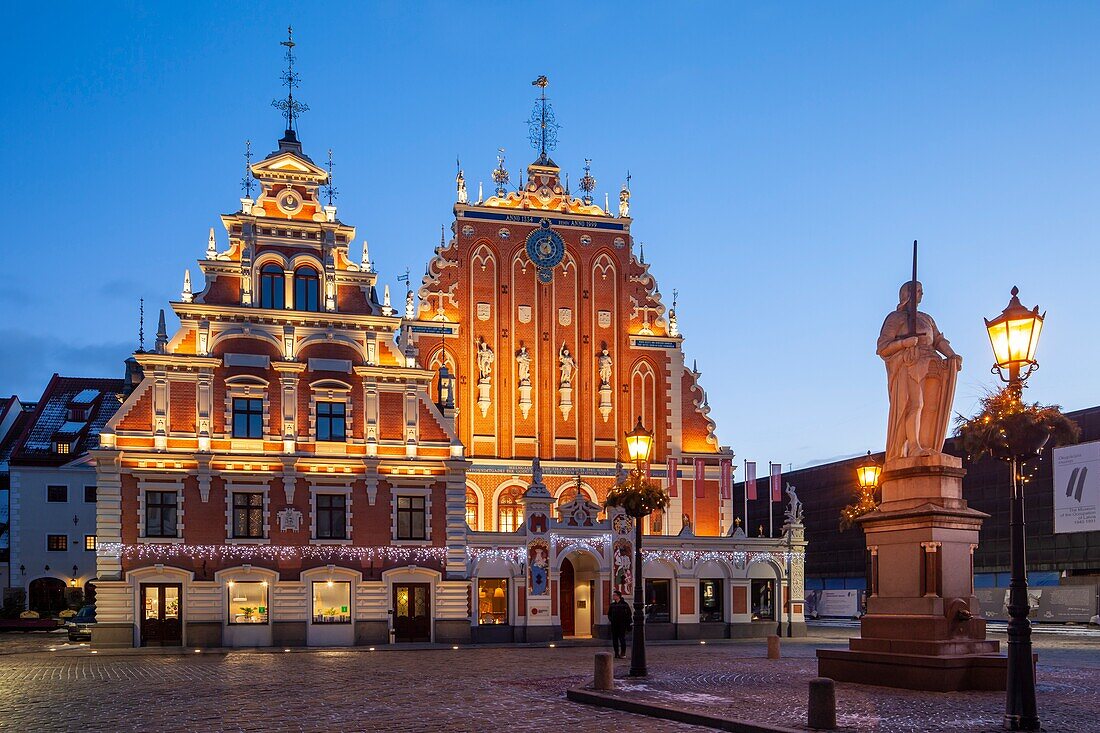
(10, 439)
(51, 418)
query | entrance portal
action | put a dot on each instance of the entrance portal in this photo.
(412, 612)
(160, 614)
(579, 610)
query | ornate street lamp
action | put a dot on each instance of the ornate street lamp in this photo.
(1014, 336)
(867, 474)
(638, 498)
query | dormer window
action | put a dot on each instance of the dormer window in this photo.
(78, 413)
(62, 447)
(272, 287)
(307, 290)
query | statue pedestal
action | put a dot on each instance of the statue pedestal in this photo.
(525, 397)
(920, 631)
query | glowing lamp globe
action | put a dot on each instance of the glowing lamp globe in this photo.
(639, 442)
(868, 472)
(1014, 336)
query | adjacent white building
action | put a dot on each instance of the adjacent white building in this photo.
(52, 493)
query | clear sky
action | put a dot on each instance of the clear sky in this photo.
(783, 159)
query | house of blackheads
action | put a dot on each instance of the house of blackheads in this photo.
(305, 463)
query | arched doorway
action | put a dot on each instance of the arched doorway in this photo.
(47, 596)
(579, 611)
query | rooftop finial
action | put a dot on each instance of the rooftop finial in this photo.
(329, 190)
(162, 335)
(588, 183)
(211, 246)
(543, 127)
(500, 173)
(141, 325)
(248, 181)
(187, 296)
(290, 107)
(460, 183)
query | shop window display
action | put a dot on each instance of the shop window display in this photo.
(331, 602)
(248, 602)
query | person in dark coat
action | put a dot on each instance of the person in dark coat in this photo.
(619, 615)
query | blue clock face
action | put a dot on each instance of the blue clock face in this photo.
(545, 248)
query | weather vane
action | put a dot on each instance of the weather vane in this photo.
(141, 325)
(290, 107)
(329, 190)
(500, 173)
(588, 183)
(543, 127)
(247, 182)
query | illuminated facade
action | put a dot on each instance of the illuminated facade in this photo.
(295, 466)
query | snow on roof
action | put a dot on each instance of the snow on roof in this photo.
(85, 397)
(52, 416)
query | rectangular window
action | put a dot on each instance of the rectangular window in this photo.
(61, 447)
(710, 600)
(57, 493)
(657, 607)
(331, 517)
(89, 495)
(248, 602)
(492, 601)
(763, 595)
(248, 418)
(89, 542)
(410, 518)
(160, 514)
(57, 542)
(331, 602)
(331, 425)
(248, 515)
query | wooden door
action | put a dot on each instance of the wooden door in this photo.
(412, 612)
(160, 614)
(568, 599)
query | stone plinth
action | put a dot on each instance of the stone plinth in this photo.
(921, 630)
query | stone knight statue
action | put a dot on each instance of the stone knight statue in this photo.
(485, 359)
(604, 364)
(568, 365)
(921, 369)
(523, 364)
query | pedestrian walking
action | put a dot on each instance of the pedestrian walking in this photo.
(620, 618)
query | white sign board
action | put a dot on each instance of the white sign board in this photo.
(1077, 488)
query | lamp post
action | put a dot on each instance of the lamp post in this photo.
(1014, 336)
(868, 472)
(639, 442)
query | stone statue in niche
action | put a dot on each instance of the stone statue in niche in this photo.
(603, 362)
(568, 365)
(523, 365)
(921, 370)
(485, 359)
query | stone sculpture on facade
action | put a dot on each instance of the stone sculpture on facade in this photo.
(604, 364)
(793, 512)
(565, 390)
(523, 374)
(485, 359)
(920, 381)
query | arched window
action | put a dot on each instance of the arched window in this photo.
(272, 291)
(509, 509)
(471, 509)
(306, 290)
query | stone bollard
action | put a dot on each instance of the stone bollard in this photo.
(605, 672)
(773, 647)
(822, 711)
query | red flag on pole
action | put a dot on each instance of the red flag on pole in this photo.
(777, 481)
(700, 477)
(672, 480)
(750, 479)
(726, 478)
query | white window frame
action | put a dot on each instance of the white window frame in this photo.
(232, 488)
(247, 386)
(346, 492)
(173, 486)
(398, 491)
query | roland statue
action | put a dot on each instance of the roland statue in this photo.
(921, 369)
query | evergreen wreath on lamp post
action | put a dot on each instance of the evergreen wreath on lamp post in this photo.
(639, 498)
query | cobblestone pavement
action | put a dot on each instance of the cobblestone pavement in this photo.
(475, 689)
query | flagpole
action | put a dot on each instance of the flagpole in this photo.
(771, 472)
(745, 519)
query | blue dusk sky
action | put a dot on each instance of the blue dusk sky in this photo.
(784, 157)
